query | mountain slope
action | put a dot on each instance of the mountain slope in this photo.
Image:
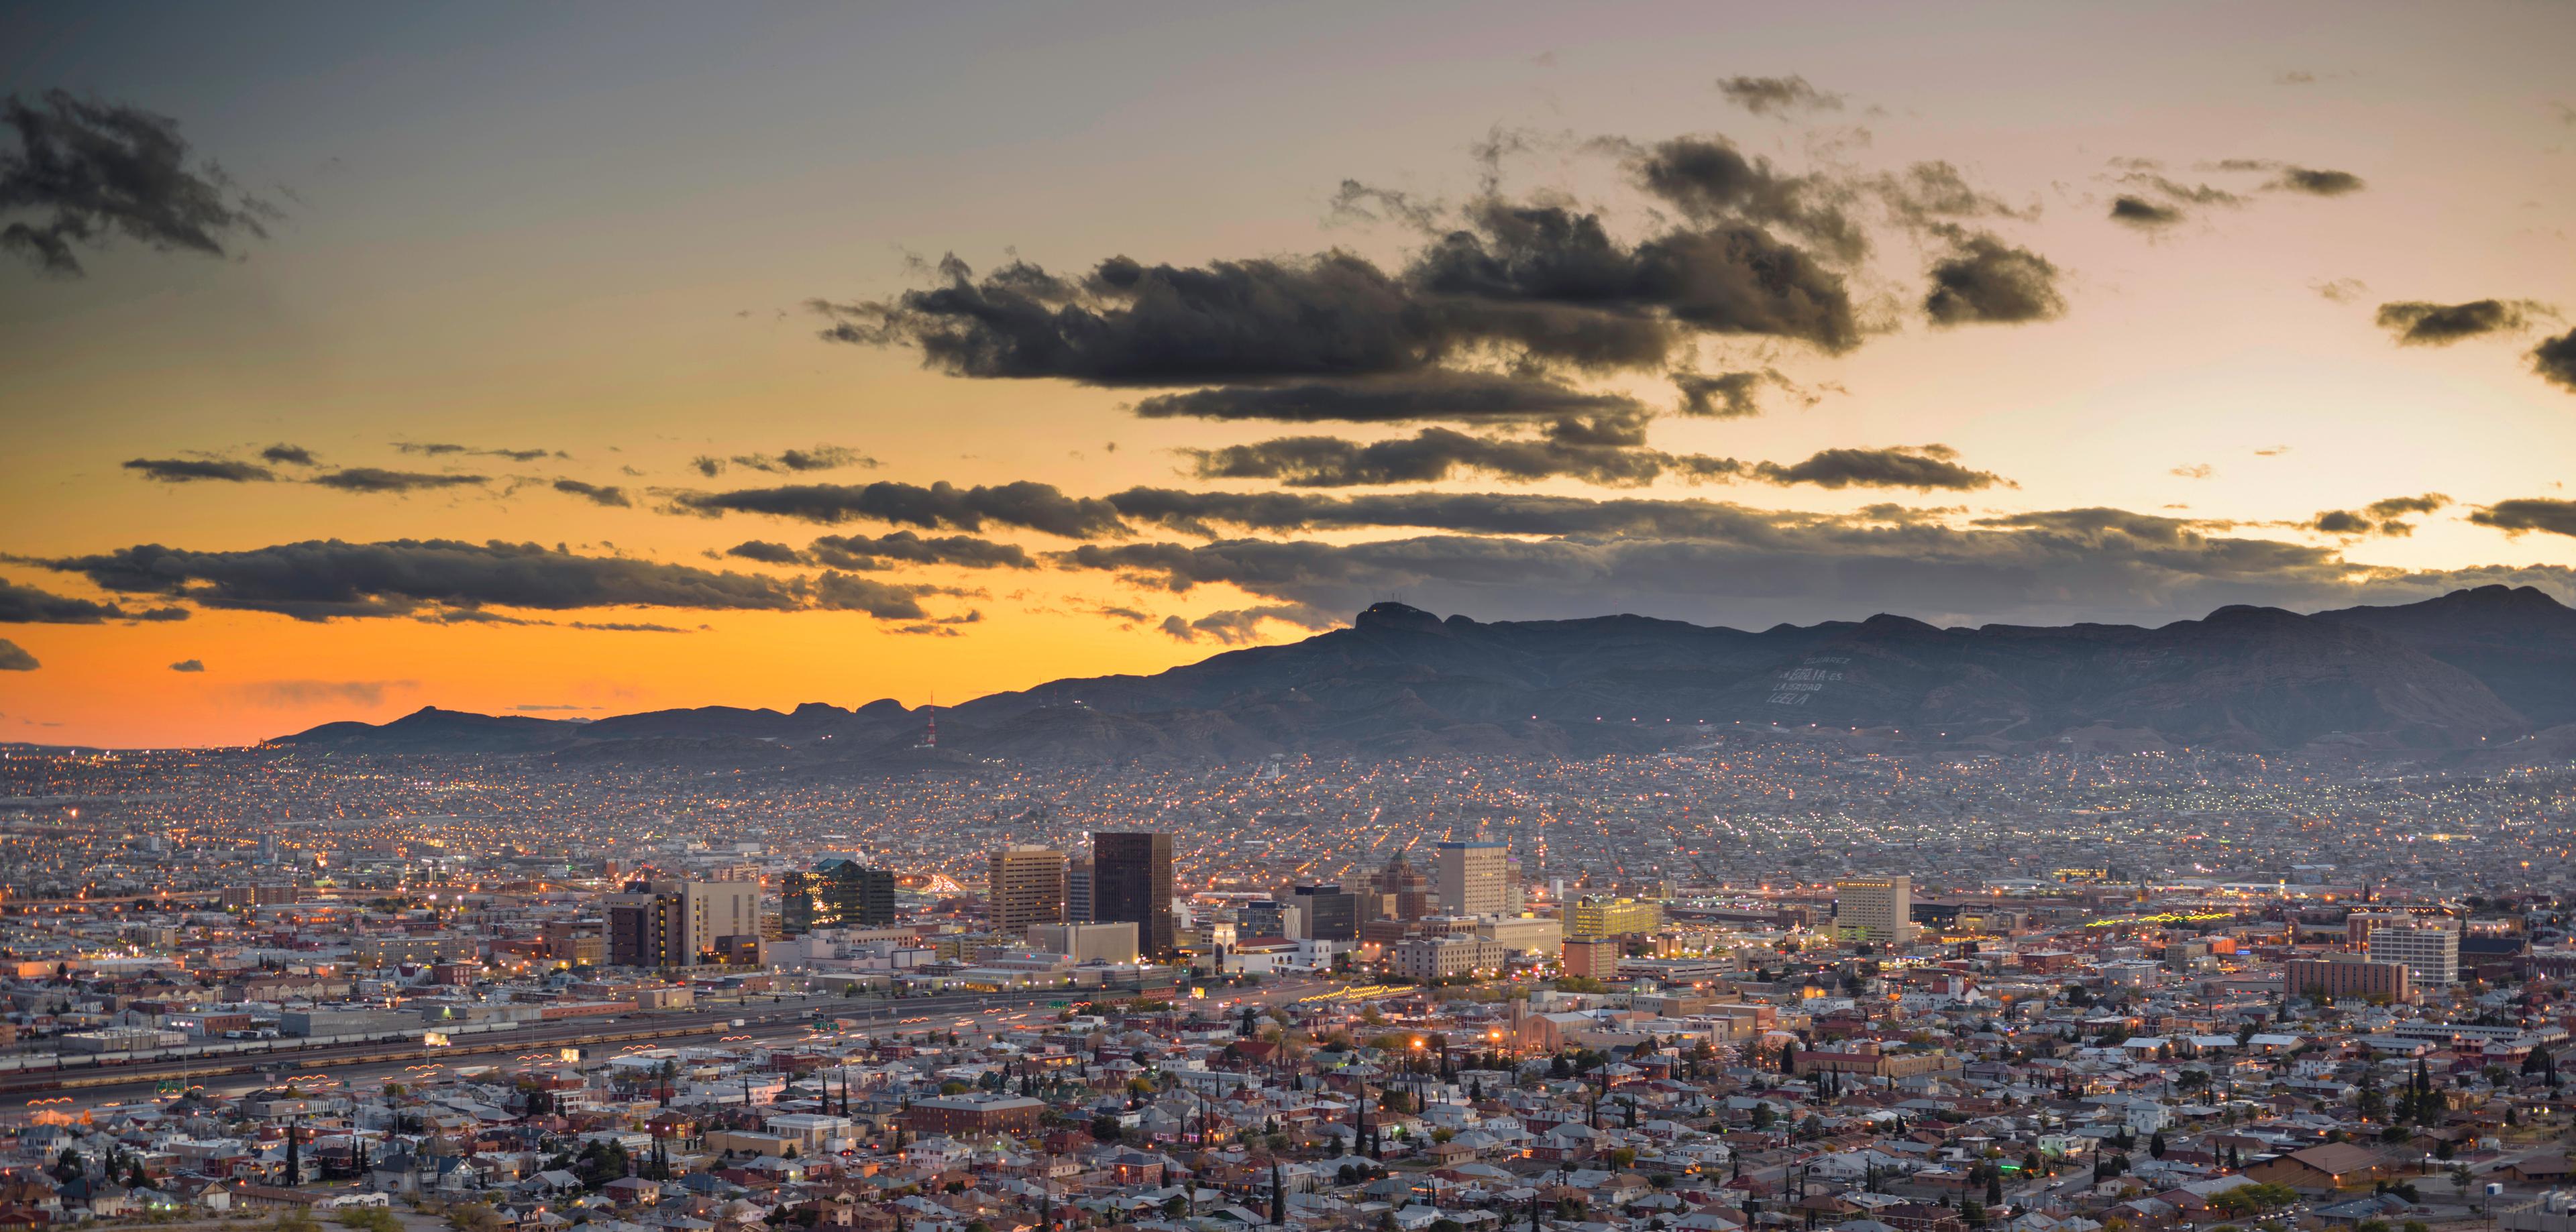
(1402, 682)
(2519, 641)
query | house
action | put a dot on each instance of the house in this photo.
(2319, 1169)
(2545, 1168)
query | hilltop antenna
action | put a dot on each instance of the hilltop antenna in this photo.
(930, 730)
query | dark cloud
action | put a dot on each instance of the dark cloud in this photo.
(904, 547)
(2317, 182)
(1757, 568)
(1711, 181)
(883, 600)
(2340, 290)
(1496, 513)
(2185, 194)
(622, 626)
(1984, 279)
(437, 448)
(594, 493)
(1923, 467)
(85, 170)
(188, 665)
(2140, 212)
(190, 470)
(13, 659)
(1930, 193)
(2399, 506)
(1128, 323)
(474, 616)
(1437, 454)
(944, 626)
(287, 455)
(2555, 360)
(26, 605)
(1724, 395)
(2380, 517)
(1727, 278)
(707, 466)
(378, 479)
(1242, 626)
(2556, 517)
(1367, 203)
(1458, 397)
(327, 579)
(2415, 323)
(1542, 281)
(818, 458)
(766, 552)
(1032, 506)
(1777, 95)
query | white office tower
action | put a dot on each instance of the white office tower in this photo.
(1468, 878)
(1878, 910)
(2430, 950)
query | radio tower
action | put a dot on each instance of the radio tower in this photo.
(930, 729)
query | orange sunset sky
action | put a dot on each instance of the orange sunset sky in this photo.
(580, 359)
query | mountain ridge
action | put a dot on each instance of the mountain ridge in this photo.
(2455, 672)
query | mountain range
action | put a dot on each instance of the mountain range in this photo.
(2468, 671)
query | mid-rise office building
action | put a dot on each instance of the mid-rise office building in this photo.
(1403, 893)
(1132, 881)
(1108, 943)
(1612, 917)
(1025, 886)
(1327, 913)
(1878, 910)
(2428, 949)
(1593, 957)
(682, 923)
(1268, 918)
(1434, 958)
(1468, 878)
(2346, 975)
(1077, 891)
(839, 893)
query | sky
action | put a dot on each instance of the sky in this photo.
(579, 359)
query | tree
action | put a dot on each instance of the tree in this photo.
(69, 1166)
(2156, 1144)
(294, 1160)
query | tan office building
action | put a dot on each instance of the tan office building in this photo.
(1024, 886)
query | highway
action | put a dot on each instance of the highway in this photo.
(787, 1020)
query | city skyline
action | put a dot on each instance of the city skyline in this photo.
(553, 364)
